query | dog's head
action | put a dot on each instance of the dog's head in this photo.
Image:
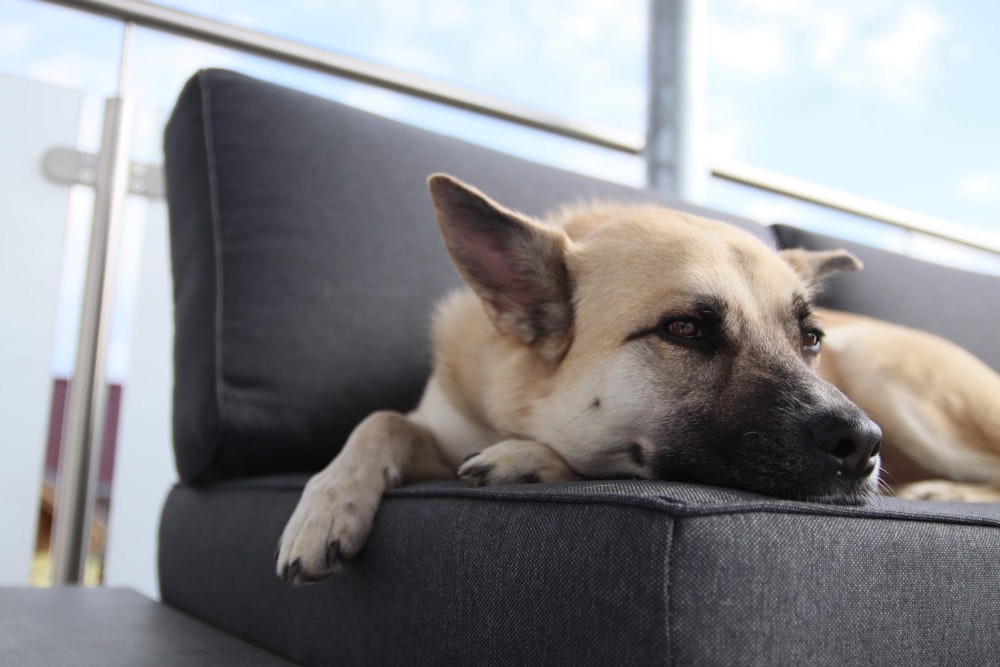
(663, 345)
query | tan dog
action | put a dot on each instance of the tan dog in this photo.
(634, 341)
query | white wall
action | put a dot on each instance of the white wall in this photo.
(144, 464)
(32, 238)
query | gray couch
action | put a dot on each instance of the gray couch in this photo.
(306, 259)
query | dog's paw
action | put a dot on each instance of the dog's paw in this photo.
(515, 462)
(948, 491)
(330, 524)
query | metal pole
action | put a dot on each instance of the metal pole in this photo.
(80, 456)
(676, 163)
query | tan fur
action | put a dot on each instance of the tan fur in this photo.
(938, 405)
(550, 368)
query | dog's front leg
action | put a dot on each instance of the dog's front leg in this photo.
(334, 516)
(516, 462)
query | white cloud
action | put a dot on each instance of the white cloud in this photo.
(448, 14)
(892, 49)
(756, 50)
(899, 59)
(730, 132)
(979, 186)
(14, 36)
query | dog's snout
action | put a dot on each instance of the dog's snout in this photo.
(854, 443)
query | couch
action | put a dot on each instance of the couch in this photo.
(306, 258)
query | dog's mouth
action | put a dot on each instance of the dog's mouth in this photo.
(841, 492)
(764, 465)
(828, 491)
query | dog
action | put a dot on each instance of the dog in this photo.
(634, 341)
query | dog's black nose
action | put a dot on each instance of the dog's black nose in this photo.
(854, 443)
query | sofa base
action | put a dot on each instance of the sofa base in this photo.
(625, 572)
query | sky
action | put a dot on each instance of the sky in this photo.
(893, 100)
(889, 99)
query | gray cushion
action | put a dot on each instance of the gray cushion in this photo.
(306, 260)
(961, 306)
(598, 573)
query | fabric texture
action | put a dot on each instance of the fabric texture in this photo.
(598, 573)
(962, 306)
(306, 261)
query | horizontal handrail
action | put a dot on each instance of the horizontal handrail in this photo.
(852, 204)
(208, 30)
(278, 48)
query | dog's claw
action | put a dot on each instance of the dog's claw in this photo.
(333, 553)
(475, 475)
(292, 571)
(481, 470)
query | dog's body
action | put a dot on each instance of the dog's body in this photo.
(937, 404)
(640, 342)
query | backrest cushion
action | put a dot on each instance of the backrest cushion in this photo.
(306, 260)
(961, 306)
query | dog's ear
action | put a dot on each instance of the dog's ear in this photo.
(515, 265)
(815, 265)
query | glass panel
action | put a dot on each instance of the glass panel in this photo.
(57, 66)
(144, 465)
(32, 239)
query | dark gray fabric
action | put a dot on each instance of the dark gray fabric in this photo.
(599, 573)
(961, 306)
(443, 580)
(306, 260)
(766, 589)
(111, 627)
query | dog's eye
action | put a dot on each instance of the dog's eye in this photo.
(812, 341)
(681, 330)
(684, 328)
(700, 332)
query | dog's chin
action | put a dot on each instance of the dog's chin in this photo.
(860, 495)
(827, 489)
(836, 491)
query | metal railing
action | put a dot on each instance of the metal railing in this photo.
(278, 48)
(285, 50)
(845, 202)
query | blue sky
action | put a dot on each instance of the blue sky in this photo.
(894, 100)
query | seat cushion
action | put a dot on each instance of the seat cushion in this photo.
(961, 306)
(598, 573)
(306, 259)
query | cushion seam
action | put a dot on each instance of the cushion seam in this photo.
(675, 509)
(215, 215)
